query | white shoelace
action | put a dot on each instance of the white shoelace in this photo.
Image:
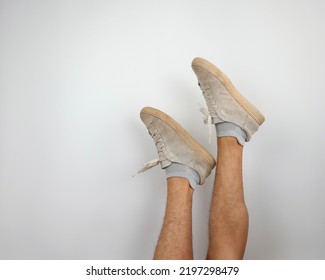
(161, 153)
(207, 120)
(147, 166)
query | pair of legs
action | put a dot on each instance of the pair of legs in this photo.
(228, 224)
(187, 164)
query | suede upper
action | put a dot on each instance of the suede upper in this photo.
(172, 147)
(222, 106)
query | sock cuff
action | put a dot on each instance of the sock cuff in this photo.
(230, 129)
(183, 171)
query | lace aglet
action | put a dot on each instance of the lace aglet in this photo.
(147, 166)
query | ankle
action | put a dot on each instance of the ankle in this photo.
(179, 184)
(229, 149)
(228, 141)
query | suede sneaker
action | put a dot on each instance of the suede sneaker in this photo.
(174, 144)
(224, 102)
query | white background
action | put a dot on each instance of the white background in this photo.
(74, 76)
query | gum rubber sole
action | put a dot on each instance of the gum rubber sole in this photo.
(241, 100)
(190, 141)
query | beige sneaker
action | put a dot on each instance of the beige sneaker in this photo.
(175, 144)
(225, 103)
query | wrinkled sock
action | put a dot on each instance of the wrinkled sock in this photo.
(181, 170)
(231, 129)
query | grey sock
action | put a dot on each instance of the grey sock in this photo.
(181, 170)
(231, 129)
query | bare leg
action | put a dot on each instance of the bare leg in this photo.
(175, 241)
(191, 164)
(228, 215)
